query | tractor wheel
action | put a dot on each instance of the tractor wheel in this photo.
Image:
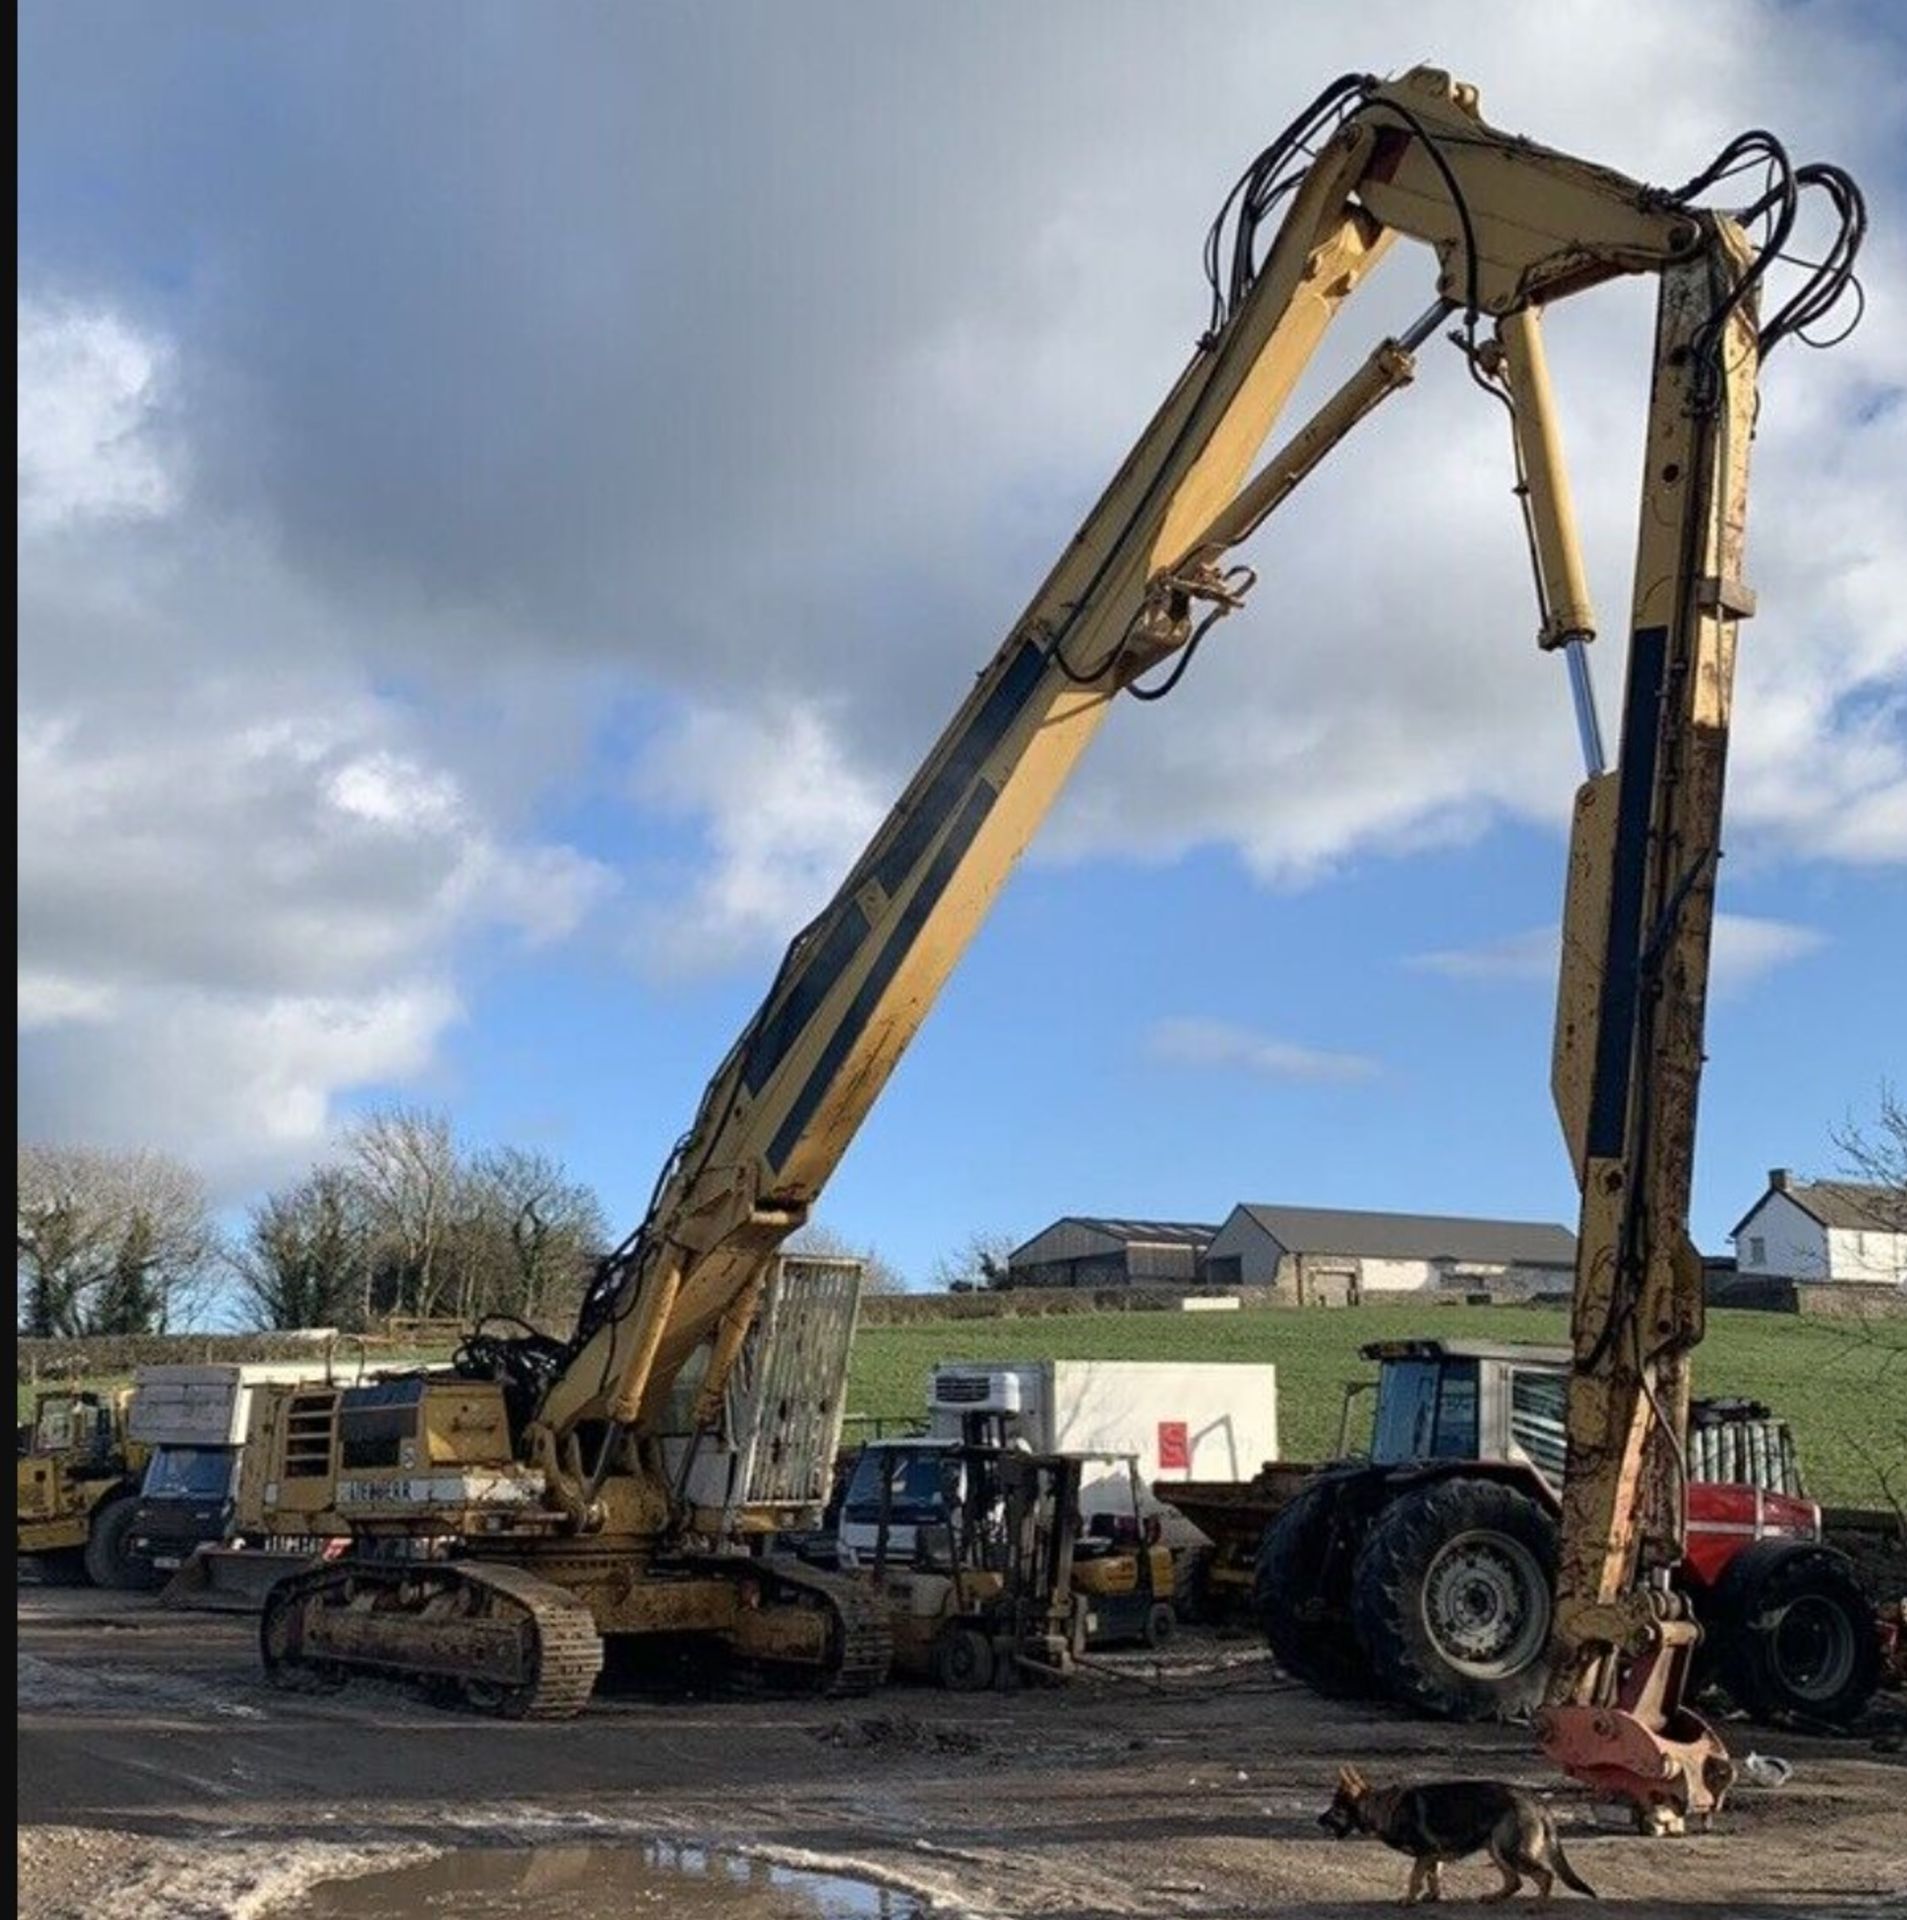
(108, 1561)
(1452, 1598)
(1161, 1624)
(1794, 1633)
(1308, 1637)
(963, 1660)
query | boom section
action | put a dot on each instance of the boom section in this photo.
(1638, 922)
(1512, 224)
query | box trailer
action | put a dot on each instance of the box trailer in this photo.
(1182, 1420)
(1206, 1421)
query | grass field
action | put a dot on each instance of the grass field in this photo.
(1843, 1387)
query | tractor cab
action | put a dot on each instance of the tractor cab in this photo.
(1470, 1400)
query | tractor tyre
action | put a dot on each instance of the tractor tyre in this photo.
(1162, 1622)
(1794, 1634)
(1309, 1638)
(1452, 1598)
(109, 1563)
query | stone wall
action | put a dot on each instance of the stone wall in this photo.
(1824, 1299)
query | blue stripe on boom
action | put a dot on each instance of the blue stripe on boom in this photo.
(780, 1032)
(933, 883)
(1622, 953)
(971, 752)
(837, 951)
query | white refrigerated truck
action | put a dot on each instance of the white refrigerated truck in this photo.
(1179, 1420)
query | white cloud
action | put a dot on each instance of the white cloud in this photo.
(395, 792)
(47, 1000)
(234, 924)
(1746, 949)
(89, 388)
(1192, 1042)
(328, 585)
(243, 874)
(784, 815)
(245, 1085)
(1530, 955)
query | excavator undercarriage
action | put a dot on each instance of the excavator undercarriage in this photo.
(524, 1640)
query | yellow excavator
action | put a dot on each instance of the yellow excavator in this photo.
(555, 1470)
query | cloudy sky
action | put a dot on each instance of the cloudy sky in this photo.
(508, 493)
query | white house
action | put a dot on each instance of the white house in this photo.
(1823, 1230)
(1332, 1256)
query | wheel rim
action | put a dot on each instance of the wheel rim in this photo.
(967, 1660)
(1486, 1605)
(1812, 1648)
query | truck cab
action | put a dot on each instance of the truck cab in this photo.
(186, 1501)
(195, 1419)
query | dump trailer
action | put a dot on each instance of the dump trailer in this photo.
(194, 1420)
(78, 1474)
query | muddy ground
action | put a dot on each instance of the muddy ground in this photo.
(158, 1774)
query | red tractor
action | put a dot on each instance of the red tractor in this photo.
(1423, 1572)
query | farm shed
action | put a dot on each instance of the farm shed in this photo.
(1082, 1252)
(1331, 1256)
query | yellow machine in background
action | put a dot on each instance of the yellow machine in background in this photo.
(77, 1487)
(563, 1475)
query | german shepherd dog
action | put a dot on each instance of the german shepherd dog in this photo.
(1449, 1820)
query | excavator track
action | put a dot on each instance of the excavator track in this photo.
(495, 1639)
(861, 1647)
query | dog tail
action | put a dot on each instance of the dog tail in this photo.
(1568, 1874)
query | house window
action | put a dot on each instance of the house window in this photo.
(1757, 1251)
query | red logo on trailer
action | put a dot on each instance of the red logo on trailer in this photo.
(1175, 1446)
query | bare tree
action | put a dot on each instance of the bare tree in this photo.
(305, 1260)
(404, 1160)
(62, 1234)
(529, 1236)
(880, 1276)
(978, 1263)
(1876, 1158)
(109, 1242)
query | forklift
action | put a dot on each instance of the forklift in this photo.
(976, 1570)
(1124, 1572)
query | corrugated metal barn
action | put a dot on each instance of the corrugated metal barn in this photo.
(1083, 1252)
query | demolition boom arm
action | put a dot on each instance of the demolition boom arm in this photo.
(1514, 227)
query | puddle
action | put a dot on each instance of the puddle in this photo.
(606, 1883)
